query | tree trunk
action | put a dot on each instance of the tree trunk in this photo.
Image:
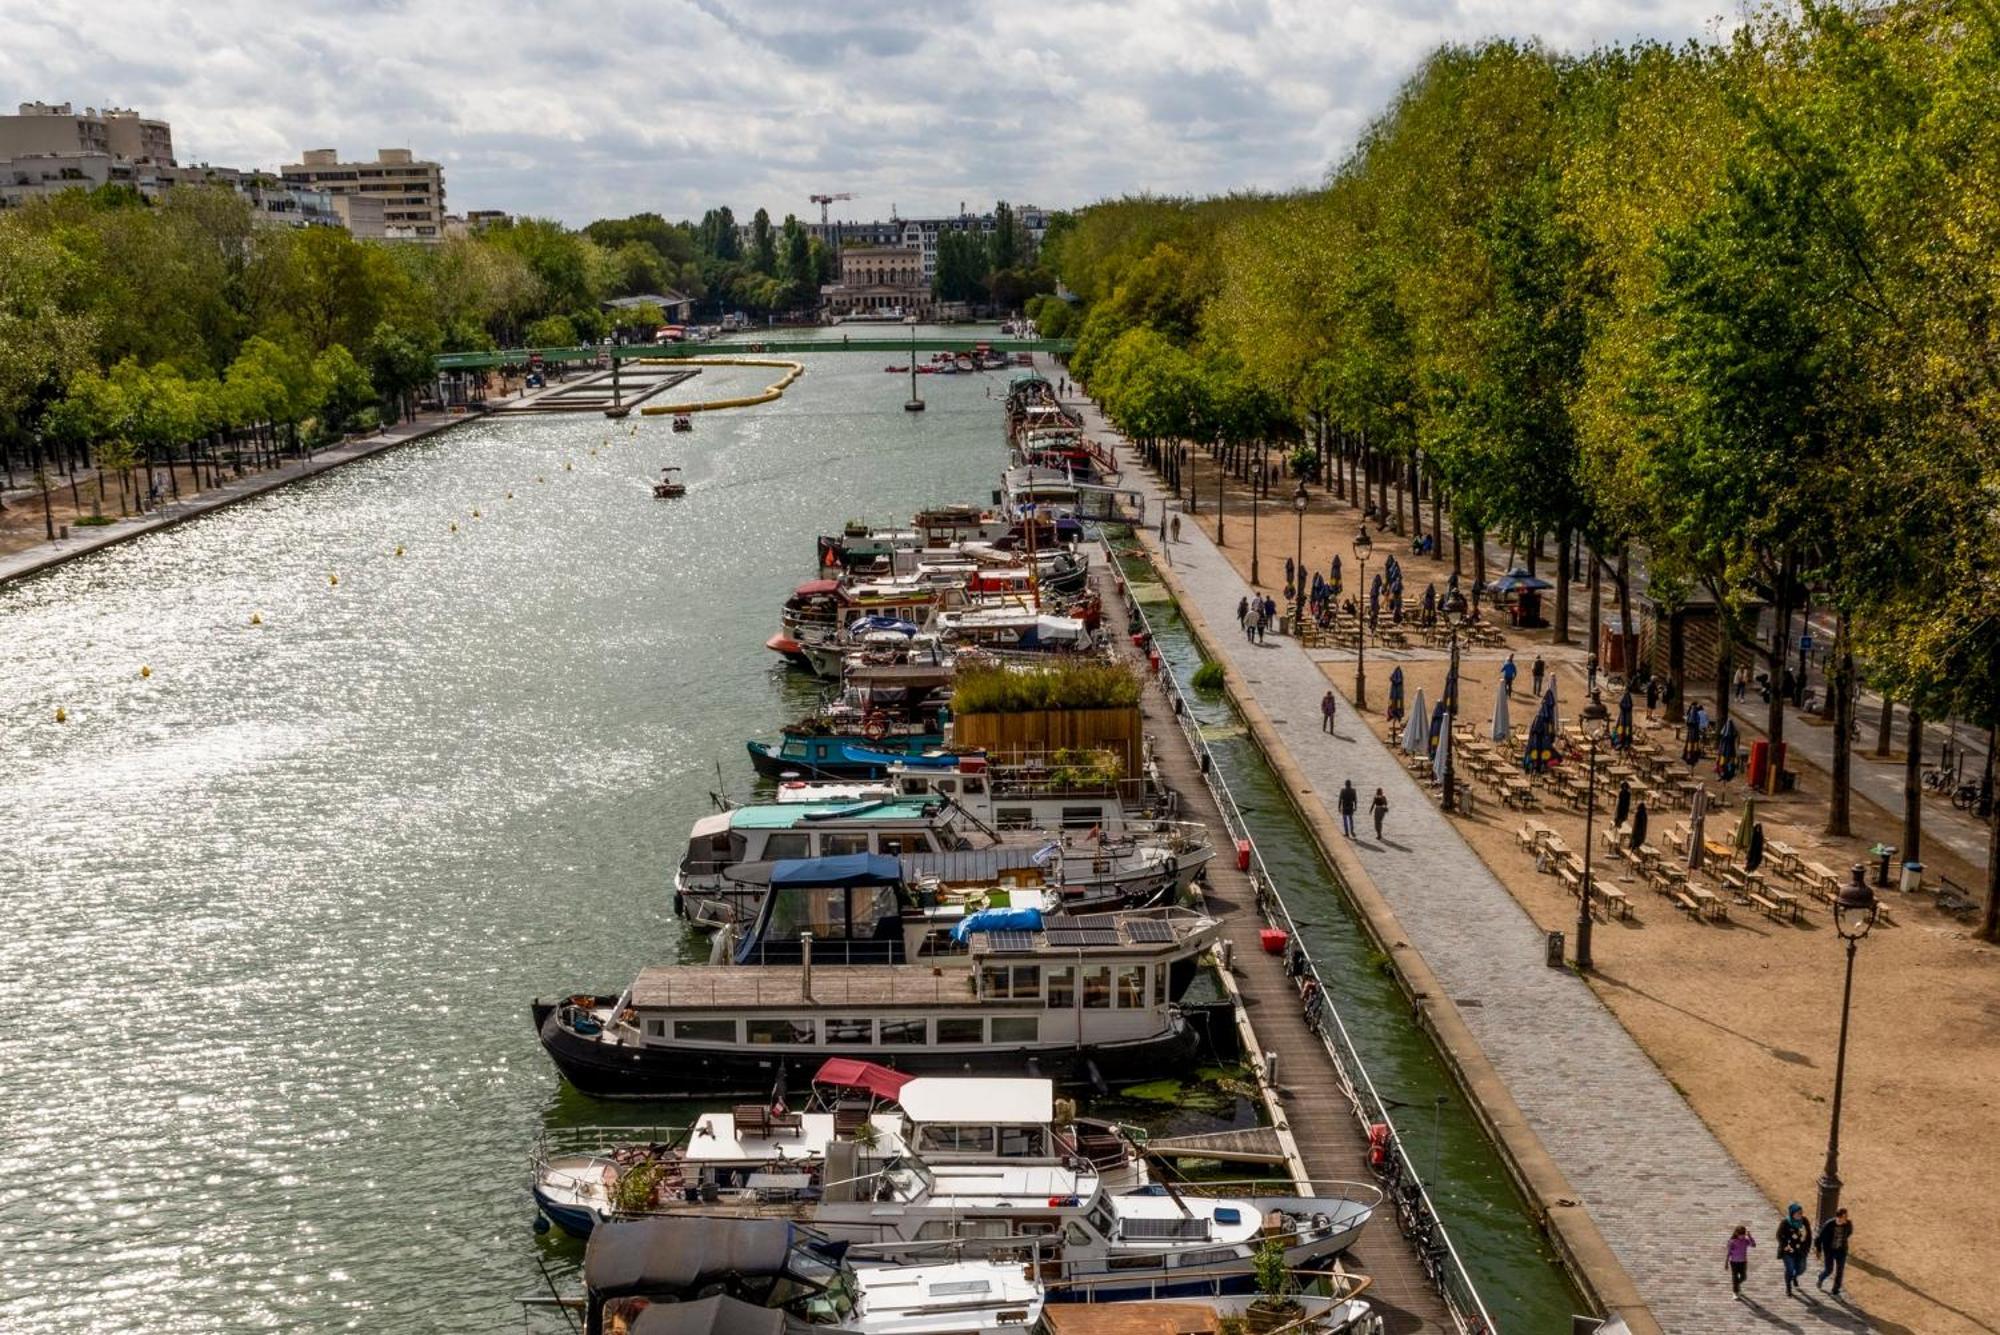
(1437, 517)
(1457, 557)
(1841, 692)
(1562, 585)
(1725, 668)
(1478, 563)
(1913, 791)
(1596, 622)
(1884, 728)
(1628, 630)
(1781, 640)
(1677, 655)
(1416, 499)
(1989, 924)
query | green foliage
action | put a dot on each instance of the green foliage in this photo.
(1210, 676)
(1082, 769)
(344, 389)
(552, 331)
(1274, 1277)
(1080, 685)
(633, 1192)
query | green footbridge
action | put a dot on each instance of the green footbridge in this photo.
(749, 344)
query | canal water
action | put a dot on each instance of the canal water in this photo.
(353, 770)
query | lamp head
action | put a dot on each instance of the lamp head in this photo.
(1299, 497)
(1362, 545)
(1854, 913)
(1596, 719)
(1455, 607)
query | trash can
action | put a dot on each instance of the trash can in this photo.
(1913, 877)
(1555, 950)
(1884, 853)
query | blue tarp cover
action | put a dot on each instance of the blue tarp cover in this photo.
(848, 869)
(998, 920)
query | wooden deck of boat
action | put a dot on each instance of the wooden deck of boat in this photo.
(1322, 1119)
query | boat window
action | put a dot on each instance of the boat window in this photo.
(1076, 1235)
(1021, 1142)
(656, 1029)
(1097, 987)
(1016, 1028)
(974, 785)
(956, 1139)
(902, 1031)
(705, 1031)
(1020, 982)
(849, 1031)
(995, 981)
(778, 1031)
(961, 1030)
(1081, 818)
(1132, 987)
(1062, 988)
(1014, 818)
(1101, 1220)
(1035, 1228)
(833, 845)
(786, 844)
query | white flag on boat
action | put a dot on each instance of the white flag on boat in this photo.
(1045, 852)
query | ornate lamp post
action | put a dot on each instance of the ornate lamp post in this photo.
(1299, 559)
(1254, 489)
(1854, 915)
(1596, 720)
(1454, 617)
(1362, 549)
(1221, 488)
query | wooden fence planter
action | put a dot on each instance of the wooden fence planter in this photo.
(1049, 730)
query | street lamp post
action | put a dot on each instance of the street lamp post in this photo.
(1221, 490)
(1854, 915)
(1253, 527)
(1454, 617)
(1596, 722)
(1299, 559)
(1362, 548)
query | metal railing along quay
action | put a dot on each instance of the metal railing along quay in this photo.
(1403, 1184)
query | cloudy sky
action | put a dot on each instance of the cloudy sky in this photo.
(602, 109)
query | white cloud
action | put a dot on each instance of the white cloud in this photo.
(581, 111)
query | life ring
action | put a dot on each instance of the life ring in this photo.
(876, 726)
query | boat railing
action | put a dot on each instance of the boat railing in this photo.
(1370, 1109)
(1277, 1191)
(835, 987)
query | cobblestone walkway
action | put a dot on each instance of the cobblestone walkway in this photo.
(1661, 1188)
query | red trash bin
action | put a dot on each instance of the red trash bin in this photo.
(1760, 760)
(1274, 939)
(1243, 855)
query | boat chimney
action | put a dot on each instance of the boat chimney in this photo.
(806, 966)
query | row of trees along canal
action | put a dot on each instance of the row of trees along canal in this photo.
(135, 333)
(1727, 311)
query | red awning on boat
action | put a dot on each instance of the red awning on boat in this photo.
(813, 586)
(850, 1073)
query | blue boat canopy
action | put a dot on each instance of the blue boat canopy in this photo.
(846, 869)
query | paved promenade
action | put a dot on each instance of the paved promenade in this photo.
(1661, 1188)
(13, 565)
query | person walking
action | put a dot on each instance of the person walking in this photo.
(1326, 712)
(1831, 1244)
(1508, 671)
(1536, 674)
(1242, 611)
(1348, 801)
(1794, 1243)
(1652, 698)
(1378, 809)
(1177, 528)
(1740, 1243)
(1742, 680)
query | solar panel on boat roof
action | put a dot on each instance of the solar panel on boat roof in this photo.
(1070, 937)
(1010, 943)
(1149, 929)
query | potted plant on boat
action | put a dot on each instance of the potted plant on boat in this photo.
(1273, 1306)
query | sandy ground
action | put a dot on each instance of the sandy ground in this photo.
(1743, 1015)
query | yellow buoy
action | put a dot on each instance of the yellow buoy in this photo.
(333, 580)
(540, 478)
(256, 618)
(475, 514)
(566, 466)
(145, 671)
(62, 715)
(454, 526)
(510, 495)
(399, 549)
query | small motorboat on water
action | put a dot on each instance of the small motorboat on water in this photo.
(683, 422)
(670, 484)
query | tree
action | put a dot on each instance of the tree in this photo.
(1009, 245)
(552, 331)
(398, 365)
(763, 244)
(343, 389)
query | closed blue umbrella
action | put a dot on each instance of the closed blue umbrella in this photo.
(1451, 690)
(1396, 693)
(1725, 750)
(1622, 737)
(1541, 748)
(1437, 725)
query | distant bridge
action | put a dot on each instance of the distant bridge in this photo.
(891, 347)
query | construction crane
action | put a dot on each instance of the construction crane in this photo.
(823, 201)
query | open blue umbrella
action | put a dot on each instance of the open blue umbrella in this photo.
(1517, 579)
(1541, 748)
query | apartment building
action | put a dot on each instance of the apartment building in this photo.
(43, 128)
(411, 189)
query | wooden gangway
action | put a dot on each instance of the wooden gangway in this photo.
(1250, 1144)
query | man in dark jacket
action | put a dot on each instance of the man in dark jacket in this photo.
(1794, 1242)
(1349, 800)
(1832, 1248)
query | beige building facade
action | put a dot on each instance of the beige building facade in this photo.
(879, 280)
(44, 128)
(411, 189)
